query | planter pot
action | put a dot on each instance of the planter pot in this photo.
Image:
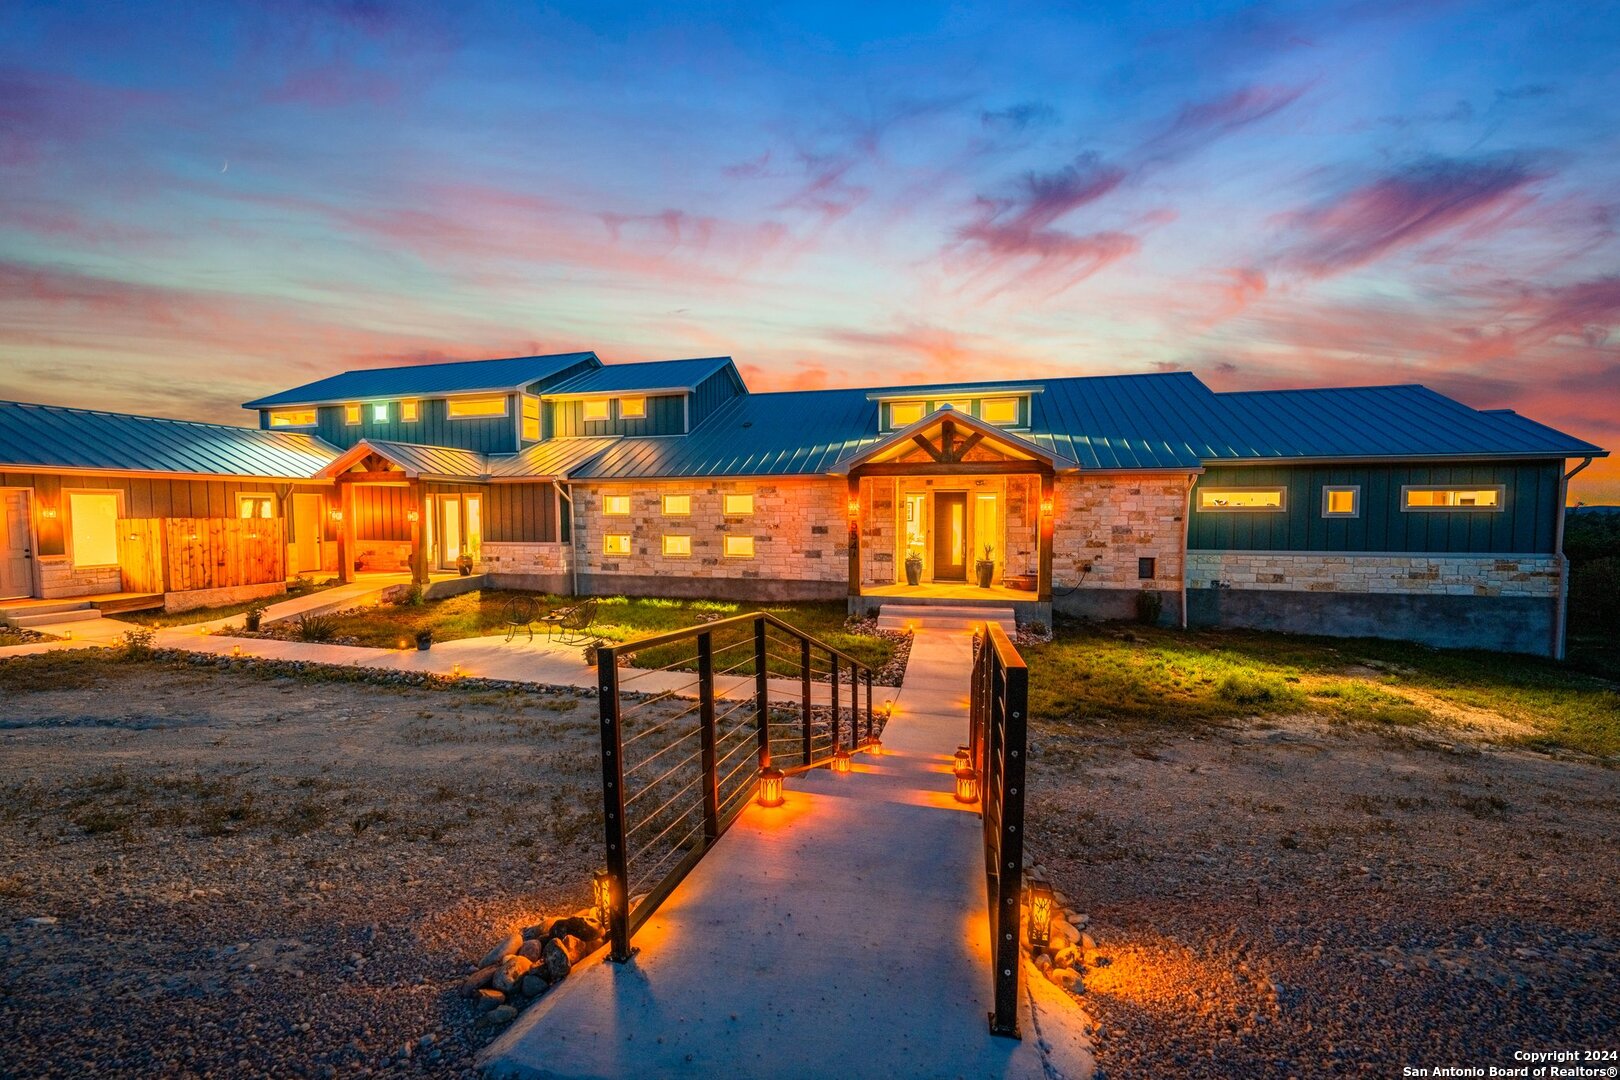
(251, 623)
(986, 571)
(466, 571)
(423, 644)
(913, 572)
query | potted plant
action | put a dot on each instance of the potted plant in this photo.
(252, 617)
(986, 567)
(914, 566)
(424, 640)
(464, 563)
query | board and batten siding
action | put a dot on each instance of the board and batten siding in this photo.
(486, 434)
(666, 415)
(512, 513)
(1527, 523)
(713, 393)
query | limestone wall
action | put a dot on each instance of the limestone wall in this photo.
(1104, 524)
(60, 578)
(499, 557)
(1439, 575)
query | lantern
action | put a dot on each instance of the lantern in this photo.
(236, 650)
(67, 635)
(967, 786)
(602, 895)
(961, 759)
(1046, 507)
(770, 786)
(875, 745)
(854, 508)
(1040, 914)
(455, 671)
(841, 760)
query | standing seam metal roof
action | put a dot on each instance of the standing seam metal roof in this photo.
(649, 375)
(422, 380)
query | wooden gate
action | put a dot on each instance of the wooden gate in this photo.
(140, 554)
(220, 553)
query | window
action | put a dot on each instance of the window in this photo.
(737, 505)
(616, 504)
(467, 408)
(958, 406)
(1241, 500)
(472, 507)
(1444, 498)
(93, 527)
(1147, 568)
(1341, 502)
(677, 545)
(677, 504)
(292, 418)
(379, 412)
(410, 411)
(352, 414)
(255, 506)
(531, 418)
(739, 547)
(905, 413)
(632, 408)
(1001, 410)
(616, 544)
(595, 409)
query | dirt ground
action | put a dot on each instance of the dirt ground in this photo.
(205, 873)
(1299, 899)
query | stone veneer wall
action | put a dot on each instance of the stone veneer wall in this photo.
(1444, 575)
(880, 535)
(1108, 522)
(59, 578)
(500, 557)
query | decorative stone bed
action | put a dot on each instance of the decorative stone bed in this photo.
(524, 965)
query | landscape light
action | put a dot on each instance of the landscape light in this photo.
(1040, 914)
(841, 761)
(236, 650)
(875, 745)
(602, 895)
(770, 786)
(961, 759)
(967, 786)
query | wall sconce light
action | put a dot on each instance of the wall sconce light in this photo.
(841, 760)
(967, 786)
(854, 508)
(1040, 914)
(602, 895)
(412, 516)
(1046, 507)
(335, 515)
(770, 786)
(48, 513)
(961, 759)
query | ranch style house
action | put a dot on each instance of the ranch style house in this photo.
(1391, 511)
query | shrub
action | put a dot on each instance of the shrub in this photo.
(414, 596)
(1148, 606)
(1254, 688)
(311, 626)
(137, 642)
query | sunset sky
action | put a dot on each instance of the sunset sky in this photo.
(203, 203)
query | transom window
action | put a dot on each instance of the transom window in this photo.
(594, 409)
(410, 411)
(468, 408)
(616, 544)
(616, 504)
(531, 418)
(905, 413)
(1341, 502)
(1242, 499)
(292, 418)
(353, 414)
(736, 505)
(677, 545)
(255, 506)
(999, 410)
(1452, 498)
(632, 408)
(93, 527)
(739, 547)
(677, 504)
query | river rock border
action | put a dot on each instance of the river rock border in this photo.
(525, 964)
(1069, 951)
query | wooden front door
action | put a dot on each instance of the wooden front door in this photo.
(950, 536)
(16, 545)
(309, 525)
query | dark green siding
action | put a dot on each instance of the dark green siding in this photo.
(1527, 523)
(713, 393)
(666, 415)
(488, 435)
(520, 513)
(975, 407)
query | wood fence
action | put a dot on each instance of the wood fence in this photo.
(179, 554)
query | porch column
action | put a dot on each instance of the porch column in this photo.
(414, 509)
(345, 532)
(1047, 518)
(853, 511)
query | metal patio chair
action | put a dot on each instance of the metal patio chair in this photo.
(521, 613)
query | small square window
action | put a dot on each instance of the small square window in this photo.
(410, 411)
(677, 504)
(595, 409)
(1341, 502)
(738, 505)
(905, 413)
(616, 504)
(999, 410)
(1147, 568)
(616, 544)
(379, 412)
(352, 414)
(632, 408)
(739, 547)
(255, 506)
(677, 545)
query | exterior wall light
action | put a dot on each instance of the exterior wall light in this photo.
(770, 786)
(412, 516)
(602, 895)
(48, 513)
(1046, 507)
(335, 515)
(967, 786)
(841, 760)
(854, 508)
(1040, 914)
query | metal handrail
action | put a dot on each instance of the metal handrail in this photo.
(718, 798)
(997, 749)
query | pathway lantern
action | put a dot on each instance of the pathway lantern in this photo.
(770, 786)
(602, 895)
(1040, 914)
(961, 760)
(841, 760)
(967, 786)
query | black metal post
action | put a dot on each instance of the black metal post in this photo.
(711, 789)
(762, 693)
(1013, 701)
(832, 656)
(607, 687)
(804, 692)
(868, 704)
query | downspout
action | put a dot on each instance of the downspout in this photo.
(573, 563)
(1561, 610)
(1186, 530)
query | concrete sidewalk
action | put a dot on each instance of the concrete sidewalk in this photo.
(843, 934)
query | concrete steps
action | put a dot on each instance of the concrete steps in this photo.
(36, 617)
(903, 616)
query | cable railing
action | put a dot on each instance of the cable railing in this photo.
(997, 728)
(688, 734)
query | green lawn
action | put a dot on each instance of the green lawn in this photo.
(160, 618)
(1168, 677)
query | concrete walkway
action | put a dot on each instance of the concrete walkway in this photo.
(841, 935)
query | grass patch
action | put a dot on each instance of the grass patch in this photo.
(158, 618)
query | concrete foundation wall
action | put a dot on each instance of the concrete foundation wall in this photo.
(1111, 604)
(193, 599)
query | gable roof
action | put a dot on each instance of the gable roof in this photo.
(56, 438)
(419, 461)
(650, 375)
(899, 443)
(424, 380)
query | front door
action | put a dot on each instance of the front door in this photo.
(449, 523)
(308, 524)
(16, 545)
(950, 536)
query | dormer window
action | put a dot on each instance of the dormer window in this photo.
(280, 418)
(632, 408)
(353, 414)
(531, 418)
(379, 412)
(1002, 410)
(470, 408)
(410, 411)
(905, 413)
(594, 409)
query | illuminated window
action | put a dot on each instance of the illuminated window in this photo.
(677, 545)
(467, 408)
(93, 527)
(1002, 410)
(736, 505)
(410, 411)
(1443, 498)
(1341, 502)
(531, 418)
(677, 504)
(353, 414)
(255, 506)
(379, 412)
(632, 408)
(739, 547)
(616, 544)
(616, 504)
(292, 418)
(905, 413)
(1240, 500)
(595, 409)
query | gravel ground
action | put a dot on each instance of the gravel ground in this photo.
(1296, 899)
(204, 873)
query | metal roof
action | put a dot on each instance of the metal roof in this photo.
(418, 460)
(423, 380)
(54, 437)
(648, 375)
(548, 460)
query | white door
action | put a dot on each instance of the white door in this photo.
(308, 525)
(449, 531)
(16, 545)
